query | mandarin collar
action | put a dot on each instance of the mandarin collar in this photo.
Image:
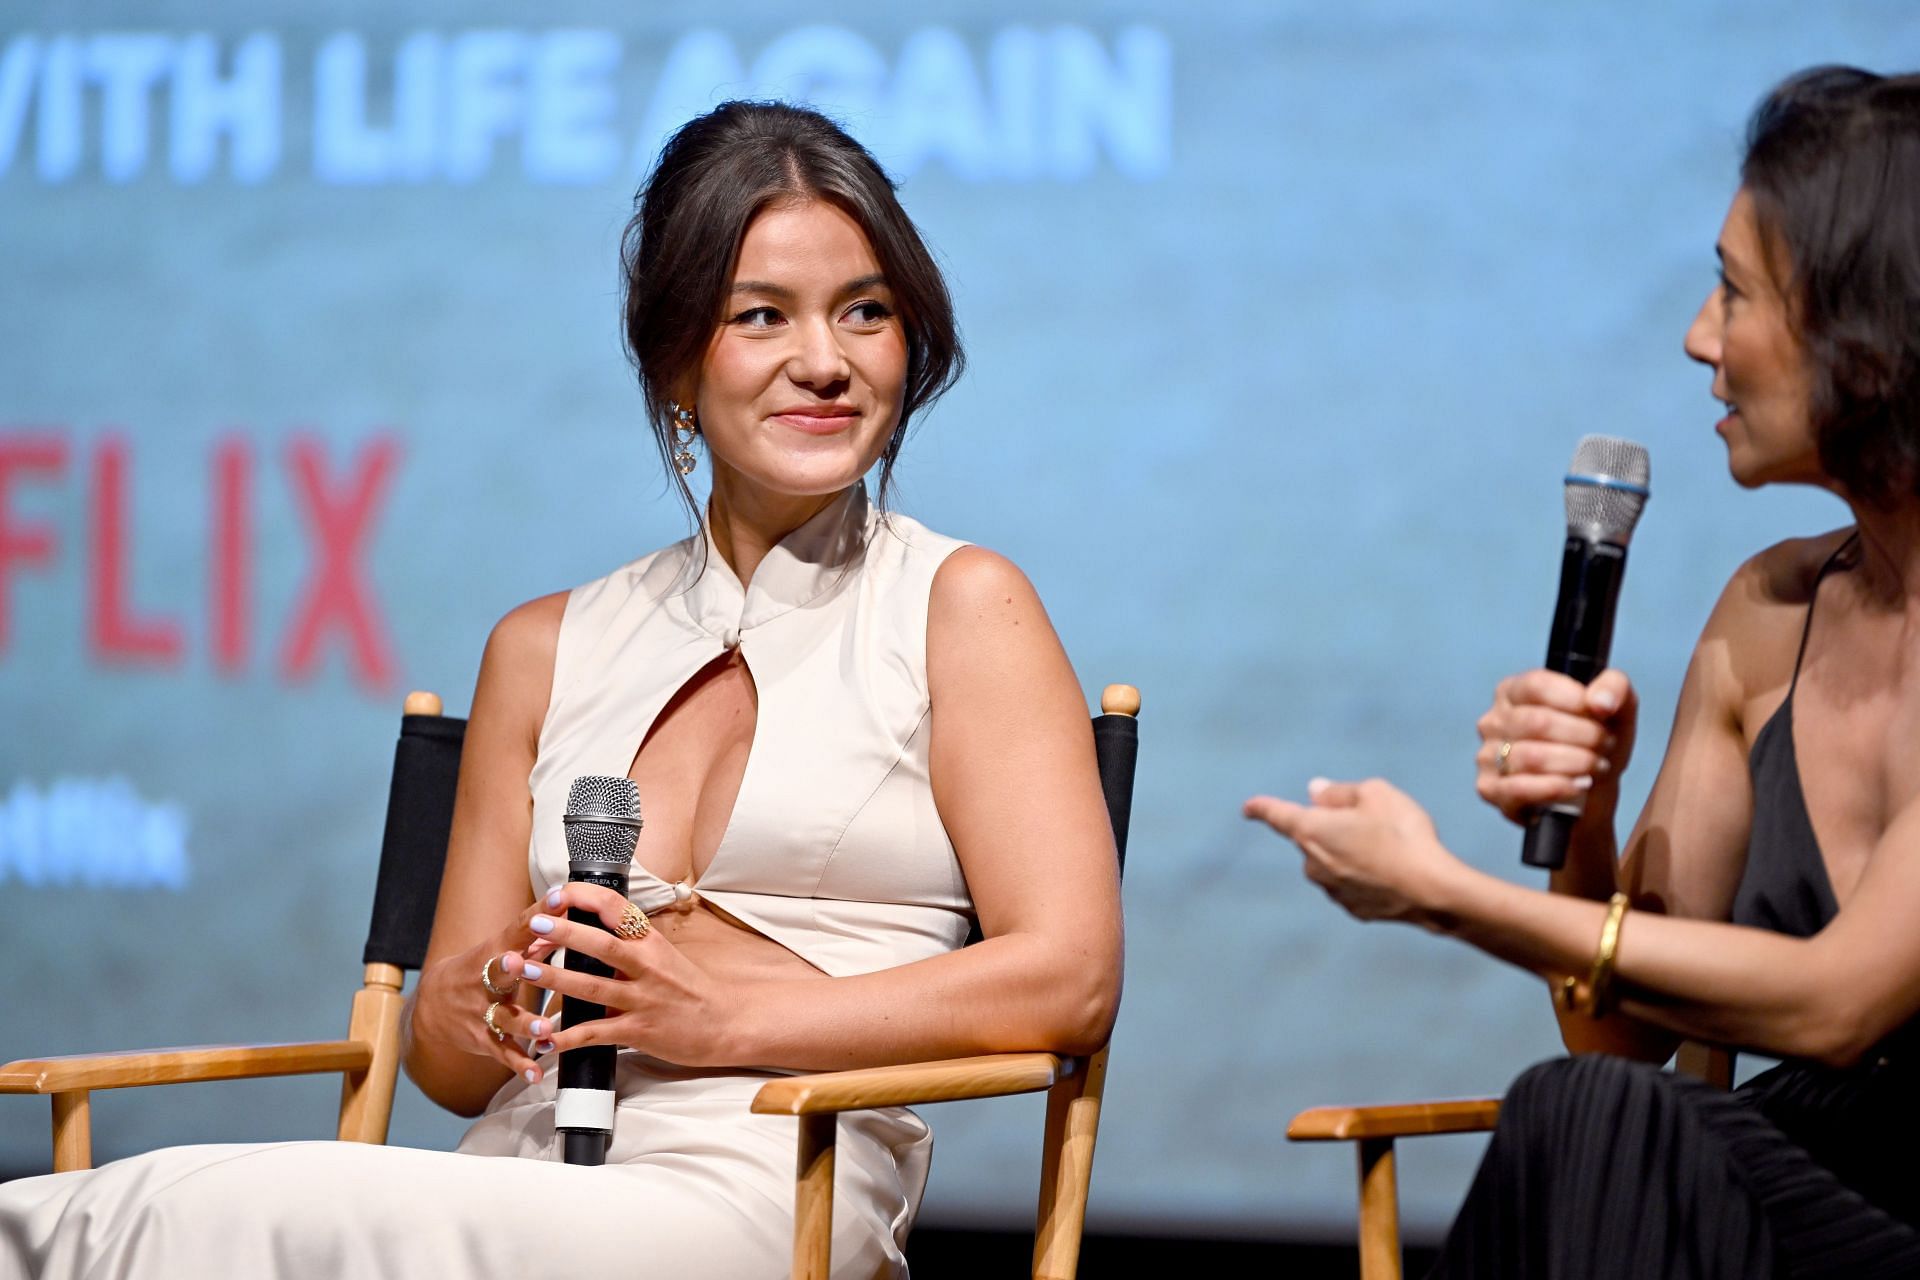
(798, 569)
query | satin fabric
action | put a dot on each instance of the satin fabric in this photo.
(695, 1185)
(835, 850)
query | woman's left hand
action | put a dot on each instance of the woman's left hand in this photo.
(1368, 844)
(657, 1000)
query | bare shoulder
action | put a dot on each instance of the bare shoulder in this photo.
(516, 670)
(1784, 575)
(1759, 618)
(985, 622)
(975, 582)
(529, 634)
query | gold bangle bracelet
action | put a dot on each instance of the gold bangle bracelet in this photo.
(1600, 980)
(1571, 994)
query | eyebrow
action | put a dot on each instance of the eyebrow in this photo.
(781, 291)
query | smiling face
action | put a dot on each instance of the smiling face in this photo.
(803, 379)
(1744, 331)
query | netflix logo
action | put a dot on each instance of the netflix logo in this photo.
(337, 504)
(96, 833)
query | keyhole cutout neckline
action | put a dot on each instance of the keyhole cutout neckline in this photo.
(799, 569)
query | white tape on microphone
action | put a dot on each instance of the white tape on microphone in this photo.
(584, 1109)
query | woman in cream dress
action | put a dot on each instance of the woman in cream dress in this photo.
(851, 736)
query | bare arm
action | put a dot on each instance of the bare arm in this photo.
(1687, 850)
(484, 899)
(1830, 997)
(1015, 781)
(1689, 847)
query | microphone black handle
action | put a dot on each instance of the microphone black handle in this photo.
(1582, 636)
(1547, 837)
(590, 1067)
(584, 1146)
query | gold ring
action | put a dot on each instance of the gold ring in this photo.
(1502, 762)
(634, 924)
(486, 979)
(498, 1034)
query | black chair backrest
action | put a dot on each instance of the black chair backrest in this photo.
(426, 769)
(413, 852)
(1116, 745)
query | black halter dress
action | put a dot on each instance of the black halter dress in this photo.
(1604, 1168)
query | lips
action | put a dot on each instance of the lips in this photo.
(817, 422)
(1732, 412)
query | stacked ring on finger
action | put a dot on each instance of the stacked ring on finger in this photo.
(486, 979)
(493, 1026)
(634, 924)
(1503, 761)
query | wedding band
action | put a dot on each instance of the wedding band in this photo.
(634, 924)
(486, 979)
(1502, 762)
(492, 1026)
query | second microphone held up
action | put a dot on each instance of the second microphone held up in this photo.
(1606, 491)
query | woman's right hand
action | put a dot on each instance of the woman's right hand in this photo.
(450, 1004)
(1549, 738)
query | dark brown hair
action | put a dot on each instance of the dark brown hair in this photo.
(679, 250)
(1833, 165)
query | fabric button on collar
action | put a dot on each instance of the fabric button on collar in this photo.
(800, 568)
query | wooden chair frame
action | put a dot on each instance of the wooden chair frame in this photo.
(369, 1060)
(1073, 1085)
(1374, 1129)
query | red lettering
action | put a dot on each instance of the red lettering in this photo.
(232, 595)
(118, 635)
(336, 597)
(29, 546)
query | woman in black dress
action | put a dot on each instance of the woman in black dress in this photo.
(1769, 895)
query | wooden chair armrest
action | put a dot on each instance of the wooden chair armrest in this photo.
(990, 1076)
(180, 1066)
(1394, 1120)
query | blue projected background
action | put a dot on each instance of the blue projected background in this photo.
(1284, 319)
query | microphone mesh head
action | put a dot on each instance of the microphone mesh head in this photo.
(602, 819)
(1607, 487)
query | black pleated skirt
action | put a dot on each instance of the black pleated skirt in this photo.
(1604, 1168)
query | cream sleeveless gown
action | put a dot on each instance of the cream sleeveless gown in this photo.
(835, 850)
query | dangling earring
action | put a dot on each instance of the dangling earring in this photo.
(684, 430)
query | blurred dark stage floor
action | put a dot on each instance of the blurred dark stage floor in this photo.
(941, 1253)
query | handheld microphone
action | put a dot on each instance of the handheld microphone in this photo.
(602, 826)
(1605, 492)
